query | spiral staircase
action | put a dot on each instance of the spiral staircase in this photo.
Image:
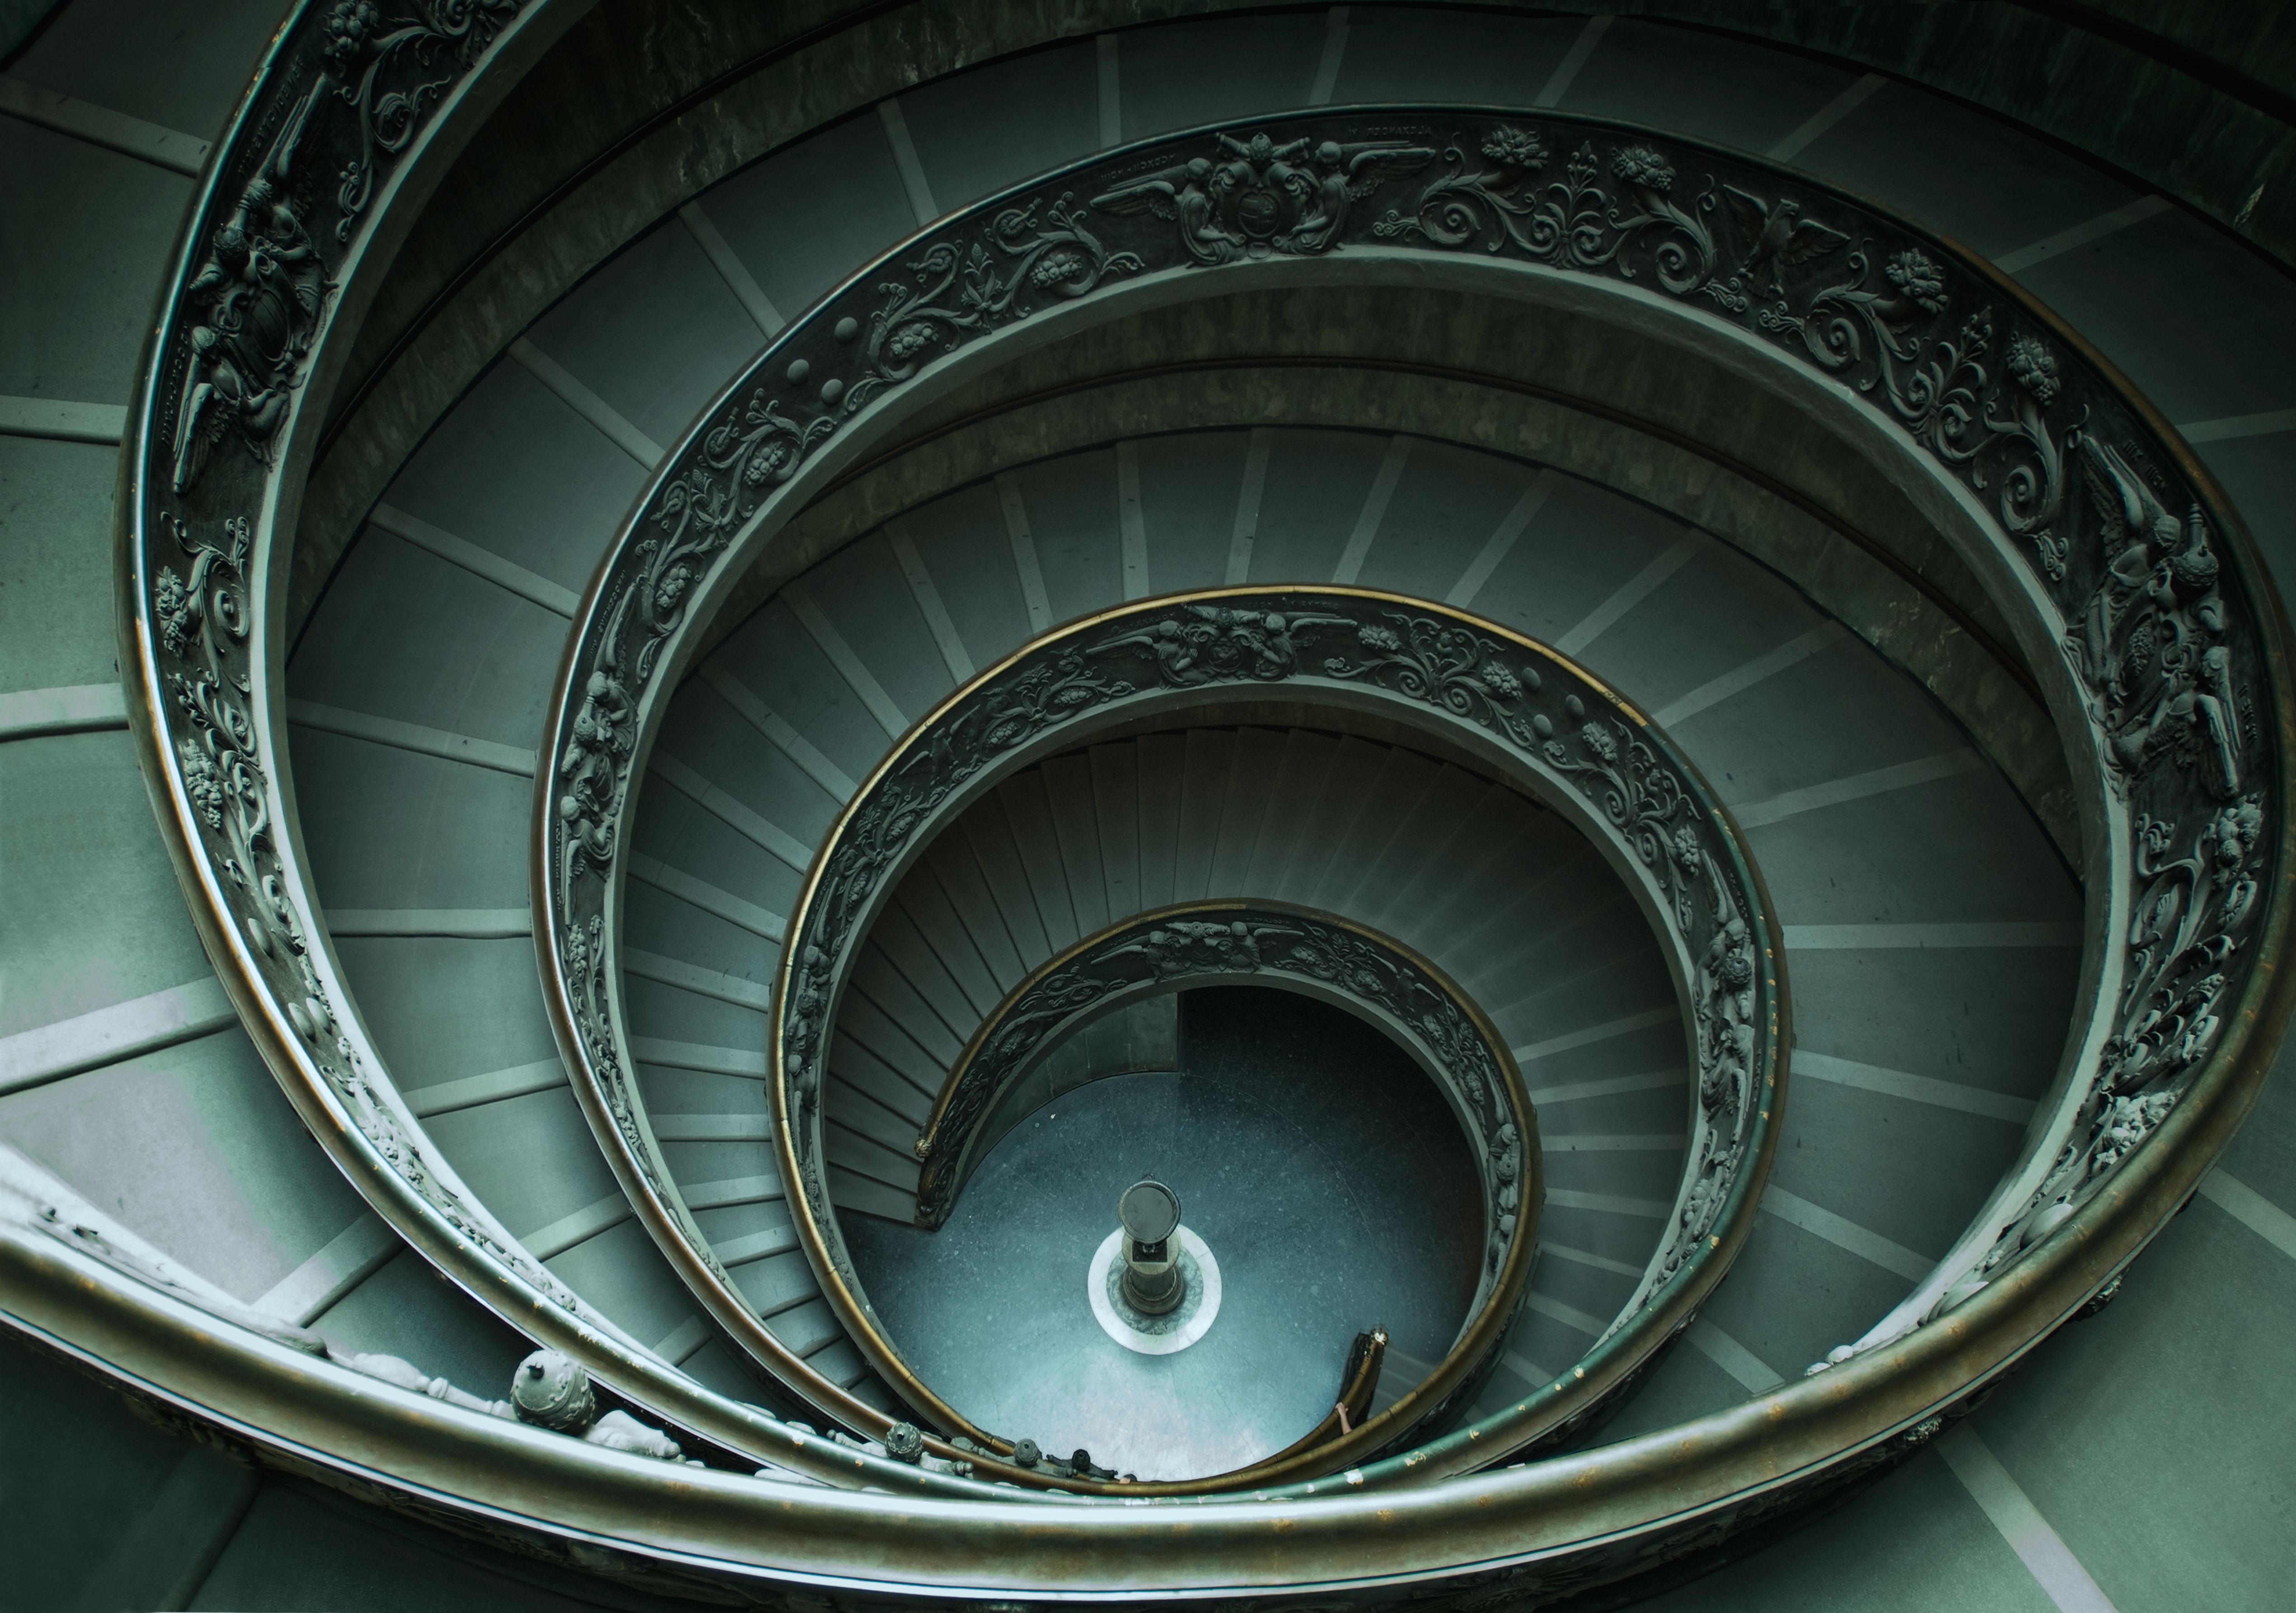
(656, 571)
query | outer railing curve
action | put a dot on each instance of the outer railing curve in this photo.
(281, 247)
(2136, 593)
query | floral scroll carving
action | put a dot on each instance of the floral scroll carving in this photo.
(201, 617)
(1025, 259)
(2196, 898)
(389, 70)
(1538, 707)
(346, 95)
(1575, 221)
(964, 288)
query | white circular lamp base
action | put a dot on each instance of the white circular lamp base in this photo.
(1177, 1328)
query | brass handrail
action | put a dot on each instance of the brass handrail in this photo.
(1538, 718)
(1282, 944)
(1916, 347)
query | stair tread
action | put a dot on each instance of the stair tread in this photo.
(1301, 778)
(1069, 800)
(902, 954)
(1029, 817)
(1203, 789)
(960, 908)
(1116, 820)
(931, 925)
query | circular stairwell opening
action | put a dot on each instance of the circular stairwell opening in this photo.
(1320, 1165)
(1057, 907)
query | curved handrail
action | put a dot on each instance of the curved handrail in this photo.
(2110, 571)
(1512, 1533)
(1541, 719)
(1988, 417)
(1286, 946)
(281, 242)
(1156, 952)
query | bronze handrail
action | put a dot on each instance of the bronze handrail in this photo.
(1540, 719)
(1285, 945)
(1904, 325)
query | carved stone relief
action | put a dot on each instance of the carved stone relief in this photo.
(346, 96)
(249, 312)
(2150, 619)
(201, 617)
(1452, 668)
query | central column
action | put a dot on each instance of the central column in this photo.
(1150, 1213)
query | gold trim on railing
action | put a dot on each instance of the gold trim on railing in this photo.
(1889, 335)
(928, 1142)
(1427, 667)
(1501, 1277)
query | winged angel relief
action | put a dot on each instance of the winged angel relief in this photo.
(1263, 198)
(2151, 645)
(253, 308)
(259, 294)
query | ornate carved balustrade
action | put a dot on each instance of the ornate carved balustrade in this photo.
(1534, 716)
(351, 113)
(1289, 947)
(2134, 595)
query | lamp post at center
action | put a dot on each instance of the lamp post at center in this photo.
(1150, 1213)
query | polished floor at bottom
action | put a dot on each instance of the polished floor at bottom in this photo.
(1320, 1165)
